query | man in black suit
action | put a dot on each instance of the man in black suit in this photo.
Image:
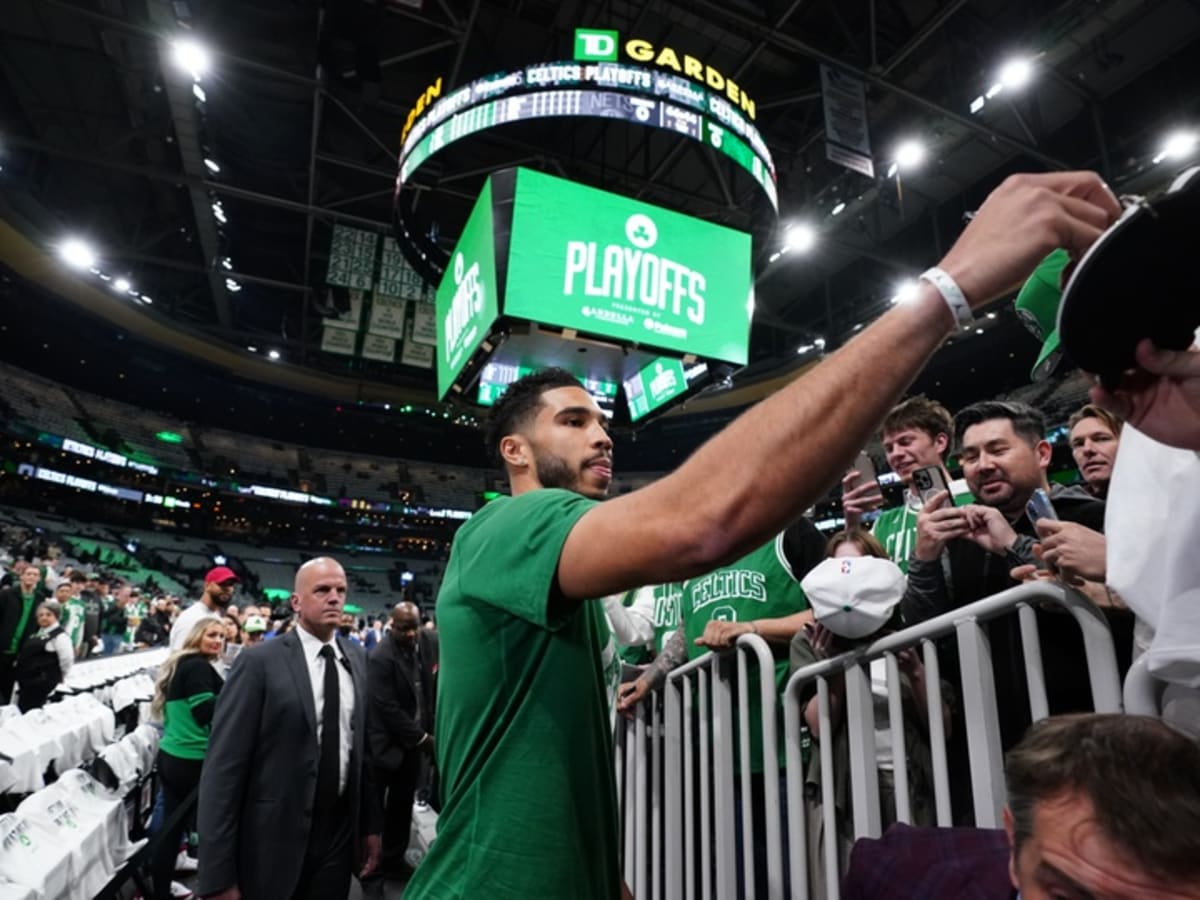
(401, 672)
(286, 802)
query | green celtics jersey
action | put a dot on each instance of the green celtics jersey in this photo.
(74, 613)
(661, 603)
(896, 528)
(760, 585)
(524, 739)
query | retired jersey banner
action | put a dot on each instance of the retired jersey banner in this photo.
(352, 258)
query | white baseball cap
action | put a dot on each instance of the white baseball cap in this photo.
(854, 596)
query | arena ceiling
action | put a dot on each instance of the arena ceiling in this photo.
(102, 135)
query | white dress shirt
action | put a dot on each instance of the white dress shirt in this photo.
(311, 646)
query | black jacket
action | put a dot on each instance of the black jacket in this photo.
(393, 729)
(976, 574)
(10, 615)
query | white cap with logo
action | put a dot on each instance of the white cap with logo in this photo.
(854, 596)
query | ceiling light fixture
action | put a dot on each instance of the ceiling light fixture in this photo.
(1178, 145)
(906, 291)
(191, 56)
(800, 237)
(212, 165)
(77, 253)
(910, 154)
(1016, 73)
(121, 285)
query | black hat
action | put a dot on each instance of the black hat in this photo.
(1139, 280)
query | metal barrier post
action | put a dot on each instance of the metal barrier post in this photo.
(627, 774)
(1141, 689)
(705, 774)
(768, 694)
(864, 770)
(724, 818)
(983, 724)
(657, 798)
(937, 734)
(899, 744)
(640, 813)
(828, 799)
(797, 808)
(743, 690)
(1035, 674)
(676, 783)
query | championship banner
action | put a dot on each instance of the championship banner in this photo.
(350, 319)
(379, 347)
(424, 324)
(339, 340)
(387, 316)
(846, 139)
(419, 355)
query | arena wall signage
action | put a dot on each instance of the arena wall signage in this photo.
(656, 384)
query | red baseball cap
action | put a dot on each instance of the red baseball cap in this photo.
(220, 575)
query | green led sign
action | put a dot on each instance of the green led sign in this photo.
(169, 437)
(496, 377)
(467, 299)
(604, 264)
(658, 383)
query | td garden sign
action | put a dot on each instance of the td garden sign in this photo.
(597, 45)
(591, 262)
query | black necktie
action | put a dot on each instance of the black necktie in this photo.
(328, 769)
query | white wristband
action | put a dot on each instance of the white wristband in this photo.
(952, 294)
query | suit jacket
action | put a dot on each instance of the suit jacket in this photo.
(392, 726)
(259, 780)
(930, 864)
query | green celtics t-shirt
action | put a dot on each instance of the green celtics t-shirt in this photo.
(760, 585)
(523, 734)
(896, 528)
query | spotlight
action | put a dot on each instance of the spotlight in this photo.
(212, 166)
(910, 154)
(905, 291)
(800, 238)
(1178, 145)
(1016, 73)
(121, 285)
(77, 253)
(273, 354)
(191, 56)
(837, 210)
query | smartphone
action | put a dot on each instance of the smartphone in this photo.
(928, 480)
(1040, 507)
(865, 467)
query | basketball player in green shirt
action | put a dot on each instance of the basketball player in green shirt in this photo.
(523, 743)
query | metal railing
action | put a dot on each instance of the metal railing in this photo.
(675, 759)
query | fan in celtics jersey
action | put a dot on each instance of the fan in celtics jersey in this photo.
(915, 434)
(524, 745)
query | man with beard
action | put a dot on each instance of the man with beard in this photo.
(964, 554)
(523, 736)
(219, 585)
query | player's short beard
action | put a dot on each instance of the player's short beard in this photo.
(554, 472)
